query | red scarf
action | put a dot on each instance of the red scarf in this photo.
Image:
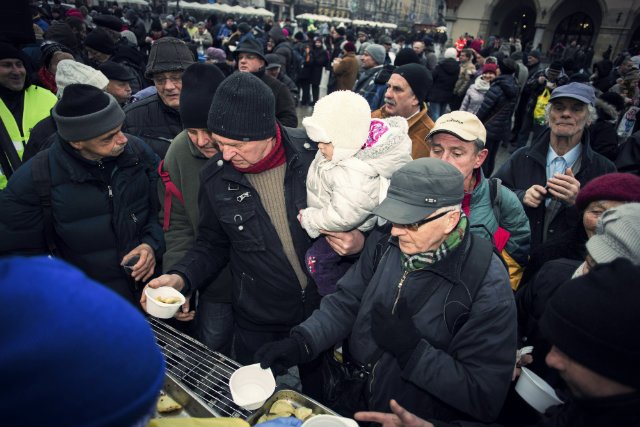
(47, 79)
(272, 160)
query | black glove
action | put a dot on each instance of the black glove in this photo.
(395, 333)
(283, 354)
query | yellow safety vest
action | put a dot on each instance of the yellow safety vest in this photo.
(38, 102)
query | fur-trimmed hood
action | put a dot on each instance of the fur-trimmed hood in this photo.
(605, 110)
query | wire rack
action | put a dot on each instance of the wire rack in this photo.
(204, 372)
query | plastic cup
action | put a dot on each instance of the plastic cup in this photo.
(160, 309)
(251, 386)
(536, 392)
(329, 421)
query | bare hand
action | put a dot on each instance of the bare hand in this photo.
(524, 361)
(184, 314)
(534, 196)
(173, 280)
(143, 269)
(564, 187)
(345, 242)
(399, 418)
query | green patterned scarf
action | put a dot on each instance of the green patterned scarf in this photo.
(416, 262)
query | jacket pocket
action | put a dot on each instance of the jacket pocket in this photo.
(244, 230)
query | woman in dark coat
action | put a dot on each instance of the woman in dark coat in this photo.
(316, 58)
(445, 76)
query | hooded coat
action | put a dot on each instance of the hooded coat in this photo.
(475, 95)
(497, 107)
(342, 192)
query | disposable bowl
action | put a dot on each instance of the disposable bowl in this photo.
(160, 309)
(251, 386)
(536, 392)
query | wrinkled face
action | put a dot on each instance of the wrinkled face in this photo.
(368, 61)
(202, 139)
(109, 144)
(567, 117)
(399, 99)
(458, 153)
(427, 237)
(12, 74)
(593, 212)
(120, 90)
(169, 86)
(244, 154)
(582, 381)
(418, 47)
(249, 62)
(326, 148)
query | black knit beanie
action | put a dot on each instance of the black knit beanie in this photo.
(85, 112)
(243, 109)
(100, 41)
(418, 77)
(406, 56)
(8, 51)
(199, 84)
(594, 320)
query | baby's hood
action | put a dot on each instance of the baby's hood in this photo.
(388, 145)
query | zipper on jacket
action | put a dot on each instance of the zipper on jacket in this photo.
(110, 193)
(400, 284)
(134, 217)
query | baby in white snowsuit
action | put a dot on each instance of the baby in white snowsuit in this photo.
(350, 174)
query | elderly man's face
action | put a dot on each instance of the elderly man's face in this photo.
(414, 239)
(399, 99)
(169, 86)
(368, 61)
(202, 139)
(109, 144)
(244, 154)
(567, 117)
(121, 90)
(12, 74)
(582, 381)
(249, 62)
(458, 153)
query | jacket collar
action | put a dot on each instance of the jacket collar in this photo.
(540, 147)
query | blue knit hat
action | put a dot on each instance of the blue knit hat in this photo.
(72, 351)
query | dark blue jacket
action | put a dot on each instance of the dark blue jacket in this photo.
(497, 107)
(101, 211)
(445, 77)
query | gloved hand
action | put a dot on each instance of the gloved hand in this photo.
(395, 333)
(281, 422)
(283, 354)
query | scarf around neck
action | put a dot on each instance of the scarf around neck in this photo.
(423, 259)
(276, 157)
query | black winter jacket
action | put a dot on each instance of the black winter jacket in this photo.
(445, 77)
(266, 292)
(312, 70)
(604, 139)
(42, 137)
(285, 104)
(527, 167)
(497, 107)
(154, 122)
(101, 211)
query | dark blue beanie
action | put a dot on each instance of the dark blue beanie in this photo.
(72, 352)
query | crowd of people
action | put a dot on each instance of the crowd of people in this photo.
(380, 233)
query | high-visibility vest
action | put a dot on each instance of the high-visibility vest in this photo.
(38, 102)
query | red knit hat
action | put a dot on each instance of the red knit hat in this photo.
(349, 47)
(623, 187)
(489, 68)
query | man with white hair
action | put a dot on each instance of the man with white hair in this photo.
(547, 175)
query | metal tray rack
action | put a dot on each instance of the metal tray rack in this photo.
(200, 371)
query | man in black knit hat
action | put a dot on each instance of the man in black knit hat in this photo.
(101, 187)
(250, 196)
(156, 119)
(251, 59)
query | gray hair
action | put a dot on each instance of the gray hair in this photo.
(593, 115)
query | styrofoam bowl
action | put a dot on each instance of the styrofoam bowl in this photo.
(251, 386)
(325, 420)
(536, 392)
(161, 309)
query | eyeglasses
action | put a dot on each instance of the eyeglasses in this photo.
(161, 81)
(416, 225)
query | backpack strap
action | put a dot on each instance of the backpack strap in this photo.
(457, 305)
(496, 197)
(170, 190)
(41, 174)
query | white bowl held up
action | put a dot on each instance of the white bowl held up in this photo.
(536, 392)
(251, 386)
(160, 309)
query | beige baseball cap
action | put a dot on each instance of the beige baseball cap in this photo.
(461, 124)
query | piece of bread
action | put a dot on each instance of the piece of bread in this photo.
(167, 404)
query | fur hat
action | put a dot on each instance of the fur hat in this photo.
(71, 72)
(594, 319)
(609, 106)
(71, 333)
(341, 118)
(617, 235)
(168, 54)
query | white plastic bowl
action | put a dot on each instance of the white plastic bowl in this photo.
(536, 392)
(251, 386)
(161, 309)
(329, 421)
